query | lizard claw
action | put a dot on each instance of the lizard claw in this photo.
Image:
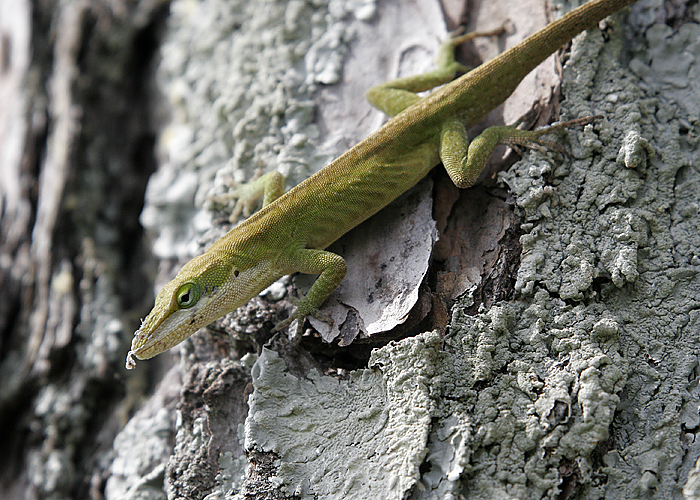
(316, 313)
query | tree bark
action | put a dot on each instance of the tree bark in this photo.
(553, 355)
(77, 137)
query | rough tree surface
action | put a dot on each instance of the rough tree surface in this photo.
(557, 356)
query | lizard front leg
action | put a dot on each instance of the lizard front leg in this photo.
(331, 269)
(269, 186)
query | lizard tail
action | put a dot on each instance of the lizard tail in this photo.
(507, 70)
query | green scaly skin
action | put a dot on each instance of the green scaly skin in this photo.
(289, 233)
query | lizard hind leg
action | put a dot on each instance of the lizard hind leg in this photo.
(464, 161)
(396, 95)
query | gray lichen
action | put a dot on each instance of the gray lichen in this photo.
(142, 448)
(346, 438)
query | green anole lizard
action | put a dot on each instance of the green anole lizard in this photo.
(291, 231)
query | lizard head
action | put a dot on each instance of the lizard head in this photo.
(205, 289)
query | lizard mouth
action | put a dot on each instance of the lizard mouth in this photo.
(130, 363)
(142, 347)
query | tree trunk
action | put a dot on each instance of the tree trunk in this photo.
(552, 350)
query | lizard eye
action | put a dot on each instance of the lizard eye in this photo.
(188, 295)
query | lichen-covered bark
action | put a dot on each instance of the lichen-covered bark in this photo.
(585, 384)
(575, 377)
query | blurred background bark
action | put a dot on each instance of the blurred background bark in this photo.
(76, 151)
